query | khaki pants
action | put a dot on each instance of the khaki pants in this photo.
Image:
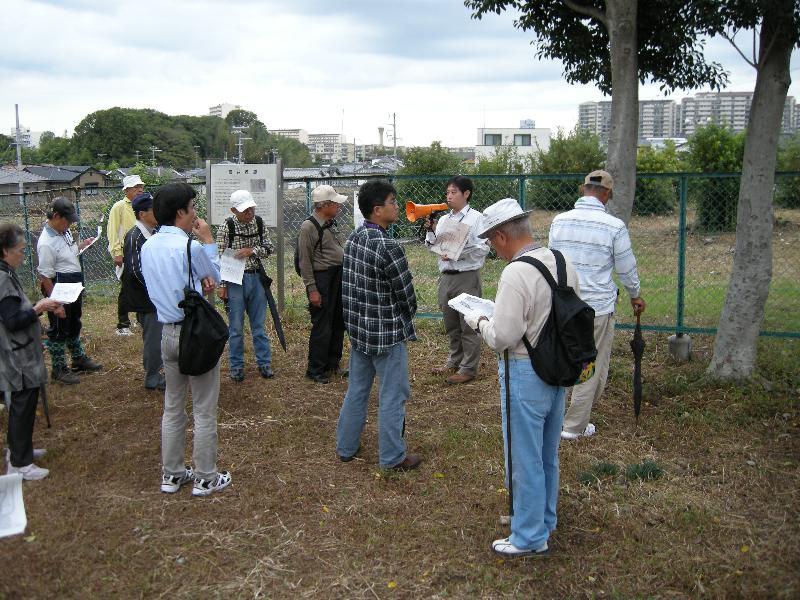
(465, 342)
(583, 396)
(205, 394)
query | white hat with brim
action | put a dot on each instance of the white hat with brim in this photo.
(326, 193)
(501, 212)
(241, 200)
(131, 181)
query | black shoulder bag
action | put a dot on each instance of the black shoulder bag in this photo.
(204, 332)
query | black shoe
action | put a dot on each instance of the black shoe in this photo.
(85, 364)
(266, 372)
(160, 386)
(351, 457)
(237, 376)
(317, 378)
(65, 376)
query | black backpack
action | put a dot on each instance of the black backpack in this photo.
(204, 332)
(232, 231)
(320, 230)
(565, 352)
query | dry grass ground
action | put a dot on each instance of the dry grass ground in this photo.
(721, 522)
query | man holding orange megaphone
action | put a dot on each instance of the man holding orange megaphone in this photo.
(459, 273)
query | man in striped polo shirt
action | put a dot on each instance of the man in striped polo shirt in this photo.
(596, 243)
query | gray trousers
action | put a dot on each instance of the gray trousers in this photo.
(465, 342)
(151, 356)
(205, 394)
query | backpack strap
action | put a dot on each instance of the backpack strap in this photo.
(189, 256)
(320, 230)
(561, 268)
(231, 231)
(260, 225)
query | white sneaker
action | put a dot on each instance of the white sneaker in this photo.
(504, 547)
(123, 331)
(588, 432)
(172, 483)
(29, 473)
(205, 487)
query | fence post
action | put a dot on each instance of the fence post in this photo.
(521, 187)
(308, 196)
(683, 187)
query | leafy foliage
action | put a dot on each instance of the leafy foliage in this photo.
(646, 470)
(670, 51)
(579, 152)
(715, 148)
(787, 189)
(656, 196)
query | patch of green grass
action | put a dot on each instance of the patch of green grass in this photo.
(598, 471)
(646, 470)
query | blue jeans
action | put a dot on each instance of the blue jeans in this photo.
(248, 297)
(394, 390)
(537, 412)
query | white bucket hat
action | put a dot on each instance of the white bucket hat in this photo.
(241, 200)
(499, 213)
(326, 193)
(131, 181)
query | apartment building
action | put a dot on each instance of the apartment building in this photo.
(525, 139)
(222, 110)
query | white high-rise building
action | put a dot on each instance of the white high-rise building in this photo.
(301, 135)
(328, 147)
(27, 138)
(222, 110)
(595, 117)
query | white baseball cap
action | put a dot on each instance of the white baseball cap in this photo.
(131, 181)
(500, 213)
(241, 200)
(326, 193)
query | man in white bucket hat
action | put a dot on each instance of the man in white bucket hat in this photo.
(531, 409)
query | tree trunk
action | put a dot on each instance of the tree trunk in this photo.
(736, 343)
(624, 133)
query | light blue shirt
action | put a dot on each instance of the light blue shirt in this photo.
(166, 269)
(596, 243)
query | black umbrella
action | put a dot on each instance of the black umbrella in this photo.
(266, 281)
(45, 406)
(637, 347)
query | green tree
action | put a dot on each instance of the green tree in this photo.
(434, 160)
(715, 148)
(579, 152)
(656, 196)
(241, 118)
(615, 45)
(46, 137)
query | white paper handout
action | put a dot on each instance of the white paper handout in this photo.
(92, 243)
(118, 270)
(231, 268)
(451, 239)
(467, 304)
(12, 508)
(66, 293)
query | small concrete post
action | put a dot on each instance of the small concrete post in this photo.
(680, 347)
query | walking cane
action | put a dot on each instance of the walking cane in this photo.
(45, 406)
(508, 437)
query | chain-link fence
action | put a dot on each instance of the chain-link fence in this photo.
(682, 229)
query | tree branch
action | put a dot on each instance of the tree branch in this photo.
(733, 43)
(589, 11)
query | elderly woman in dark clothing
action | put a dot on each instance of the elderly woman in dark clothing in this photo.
(22, 369)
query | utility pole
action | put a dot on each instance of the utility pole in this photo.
(154, 149)
(137, 156)
(394, 134)
(196, 156)
(238, 130)
(19, 158)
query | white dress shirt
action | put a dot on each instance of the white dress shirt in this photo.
(474, 253)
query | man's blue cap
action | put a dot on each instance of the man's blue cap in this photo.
(142, 202)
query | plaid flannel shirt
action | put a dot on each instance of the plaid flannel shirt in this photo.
(378, 296)
(244, 229)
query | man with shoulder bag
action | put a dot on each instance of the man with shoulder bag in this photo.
(176, 278)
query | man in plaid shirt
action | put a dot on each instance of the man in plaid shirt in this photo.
(379, 304)
(249, 242)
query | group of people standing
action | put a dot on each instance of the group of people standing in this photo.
(362, 285)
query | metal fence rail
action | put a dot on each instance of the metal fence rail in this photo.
(682, 229)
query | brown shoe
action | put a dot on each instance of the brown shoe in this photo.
(443, 370)
(410, 462)
(460, 378)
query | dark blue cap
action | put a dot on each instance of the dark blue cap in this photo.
(142, 202)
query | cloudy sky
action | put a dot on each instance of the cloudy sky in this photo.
(320, 65)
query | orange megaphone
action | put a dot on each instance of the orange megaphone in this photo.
(420, 211)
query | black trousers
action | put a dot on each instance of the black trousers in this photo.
(123, 320)
(21, 417)
(61, 330)
(327, 323)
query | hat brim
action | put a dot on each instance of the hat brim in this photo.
(130, 185)
(245, 205)
(524, 214)
(339, 199)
